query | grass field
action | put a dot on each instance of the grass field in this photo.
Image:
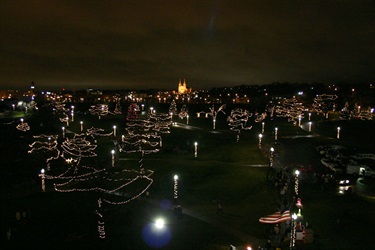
(222, 171)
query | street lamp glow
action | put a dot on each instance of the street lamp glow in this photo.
(175, 177)
(81, 122)
(338, 132)
(260, 141)
(294, 216)
(63, 132)
(297, 172)
(159, 223)
(310, 126)
(196, 149)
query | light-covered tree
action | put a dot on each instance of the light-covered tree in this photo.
(237, 121)
(132, 112)
(214, 113)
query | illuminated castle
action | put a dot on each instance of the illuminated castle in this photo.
(182, 89)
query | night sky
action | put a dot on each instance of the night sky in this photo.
(143, 44)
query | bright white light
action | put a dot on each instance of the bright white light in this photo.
(175, 177)
(294, 216)
(272, 149)
(196, 143)
(159, 223)
(42, 171)
(297, 172)
(112, 152)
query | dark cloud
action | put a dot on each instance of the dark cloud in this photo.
(142, 44)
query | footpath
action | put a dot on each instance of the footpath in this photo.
(254, 242)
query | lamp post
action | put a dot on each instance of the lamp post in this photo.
(14, 107)
(276, 129)
(271, 156)
(21, 120)
(175, 188)
(113, 158)
(260, 141)
(310, 126)
(114, 131)
(338, 132)
(293, 232)
(309, 116)
(67, 121)
(63, 132)
(195, 149)
(299, 120)
(214, 121)
(296, 182)
(81, 122)
(262, 127)
(42, 175)
(187, 119)
(72, 113)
